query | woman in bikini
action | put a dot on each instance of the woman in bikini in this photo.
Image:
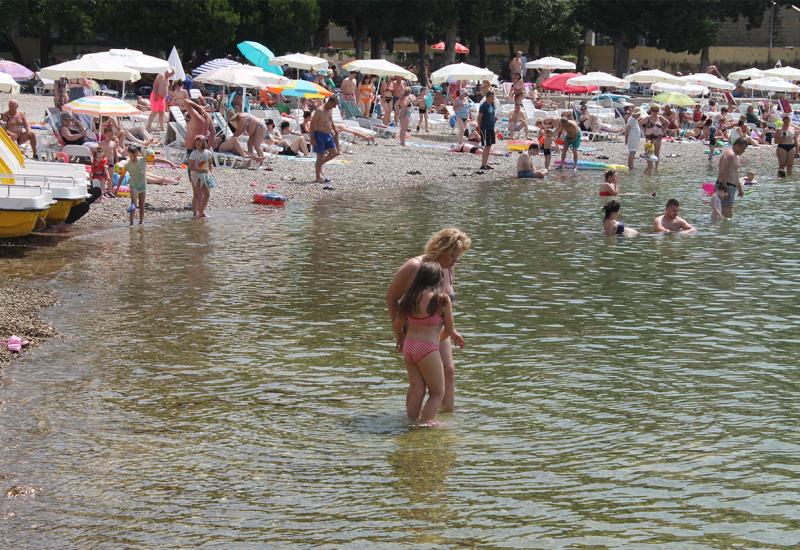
(250, 126)
(786, 138)
(612, 224)
(366, 95)
(654, 126)
(403, 113)
(445, 247)
(386, 101)
(609, 187)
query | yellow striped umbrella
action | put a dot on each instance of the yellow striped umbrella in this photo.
(99, 105)
(300, 88)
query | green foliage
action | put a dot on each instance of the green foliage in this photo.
(548, 24)
(282, 25)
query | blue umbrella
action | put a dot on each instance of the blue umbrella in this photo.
(260, 56)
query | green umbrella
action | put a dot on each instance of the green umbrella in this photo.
(674, 98)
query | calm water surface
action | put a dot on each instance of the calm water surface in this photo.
(233, 383)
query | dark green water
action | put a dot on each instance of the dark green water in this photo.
(233, 382)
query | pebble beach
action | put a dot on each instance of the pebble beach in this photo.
(363, 169)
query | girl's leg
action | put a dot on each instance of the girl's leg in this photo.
(403, 129)
(416, 392)
(446, 354)
(132, 207)
(657, 152)
(425, 116)
(140, 196)
(195, 197)
(432, 372)
(460, 130)
(205, 196)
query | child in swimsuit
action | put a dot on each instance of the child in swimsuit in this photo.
(649, 156)
(424, 309)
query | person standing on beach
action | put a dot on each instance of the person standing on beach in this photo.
(446, 248)
(729, 174)
(349, 87)
(158, 99)
(486, 121)
(515, 65)
(633, 133)
(324, 137)
(403, 110)
(198, 123)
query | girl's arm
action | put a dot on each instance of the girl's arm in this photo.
(449, 325)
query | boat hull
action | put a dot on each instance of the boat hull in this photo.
(60, 210)
(18, 223)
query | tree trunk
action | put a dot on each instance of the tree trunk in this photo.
(621, 55)
(45, 42)
(481, 50)
(511, 52)
(14, 49)
(704, 61)
(360, 40)
(422, 45)
(375, 46)
(450, 44)
(581, 61)
(531, 49)
(390, 44)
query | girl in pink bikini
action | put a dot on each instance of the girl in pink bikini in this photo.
(425, 308)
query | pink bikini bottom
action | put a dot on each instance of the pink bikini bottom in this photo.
(415, 351)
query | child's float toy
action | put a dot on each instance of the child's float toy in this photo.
(592, 165)
(272, 199)
(124, 191)
(519, 144)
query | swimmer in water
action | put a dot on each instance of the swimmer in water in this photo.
(612, 224)
(426, 309)
(749, 179)
(525, 164)
(609, 187)
(671, 222)
(720, 196)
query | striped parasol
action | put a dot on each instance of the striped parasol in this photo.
(98, 105)
(300, 88)
(214, 64)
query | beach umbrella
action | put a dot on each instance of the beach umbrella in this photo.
(266, 78)
(651, 77)
(174, 61)
(708, 80)
(461, 71)
(300, 61)
(604, 80)
(692, 90)
(378, 67)
(8, 85)
(771, 84)
(550, 63)
(300, 88)
(135, 60)
(745, 74)
(214, 64)
(558, 83)
(100, 105)
(786, 73)
(15, 70)
(259, 55)
(91, 67)
(232, 75)
(460, 48)
(674, 98)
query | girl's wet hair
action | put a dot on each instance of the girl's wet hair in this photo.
(610, 173)
(610, 207)
(429, 277)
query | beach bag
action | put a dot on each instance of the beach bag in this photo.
(211, 181)
(453, 121)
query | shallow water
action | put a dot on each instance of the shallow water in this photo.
(232, 382)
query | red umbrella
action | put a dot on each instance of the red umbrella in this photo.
(558, 83)
(460, 48)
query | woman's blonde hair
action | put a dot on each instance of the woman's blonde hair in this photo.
(447, 241)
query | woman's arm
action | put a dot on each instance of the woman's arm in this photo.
(449, 324)
(399, 284)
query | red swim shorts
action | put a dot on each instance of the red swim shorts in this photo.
(158, 104)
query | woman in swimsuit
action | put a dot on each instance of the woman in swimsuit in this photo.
(366, 95)
(386, 101)
(423, 310)
(422, 105)
(445, 247)
(585, 122)
(612, 225)
(786, 138)
(403, 113)
(609, 187)
(654, 126)
(250, 126)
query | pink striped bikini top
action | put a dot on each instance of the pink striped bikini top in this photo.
(430, 320)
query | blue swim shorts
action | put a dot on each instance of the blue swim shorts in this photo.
(323, 141)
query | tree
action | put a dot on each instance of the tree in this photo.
(282, 25)
(354, 16)
(482, 18)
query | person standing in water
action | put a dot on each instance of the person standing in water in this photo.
(786, 138)
(446, 248)
(670, 221)
(572, 140)
(423, 310)
(633, 133)
(729, 174)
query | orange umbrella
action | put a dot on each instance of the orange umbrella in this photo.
(460, 48)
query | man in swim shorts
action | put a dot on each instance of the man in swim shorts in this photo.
(324, 137)
(486, 122)
(158, 98)
(729, 174)
(572, 140)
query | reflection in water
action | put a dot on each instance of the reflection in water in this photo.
(233, 380)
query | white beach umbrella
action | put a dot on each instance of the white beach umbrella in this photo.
(265, 77)
(135, 60)
(461, 71)
(8, 85)
(550, 63)
(300, 61)
(651, 77)
(234, 75)
(174, 61)
(692, 90)
(786, 73)
(708, 80)
(601, 79)
(745, 74)
(771, 84)
(378, 67)
(101, 68)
